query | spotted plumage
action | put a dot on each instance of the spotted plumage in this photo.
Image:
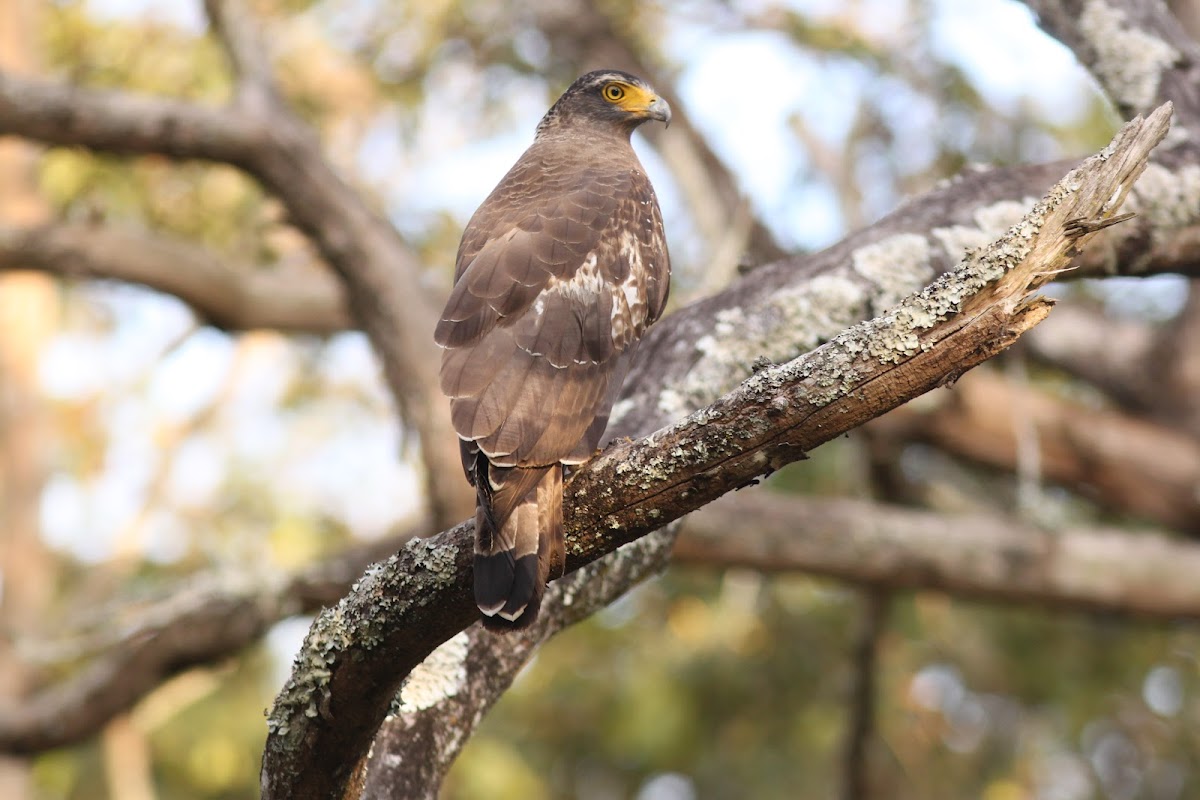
(559, 273)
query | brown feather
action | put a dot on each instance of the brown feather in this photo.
(559, 272)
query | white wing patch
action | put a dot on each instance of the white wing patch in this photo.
(585, 285)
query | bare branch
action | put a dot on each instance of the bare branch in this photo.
(256, 89)
(1125, 464)
(357, 653)
(1137, 49)
(856, 759)
(120, 122)
(204, 620)
(976, 556)
(234, 297)
(382, 276)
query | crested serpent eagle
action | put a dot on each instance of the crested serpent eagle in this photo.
(559, 273)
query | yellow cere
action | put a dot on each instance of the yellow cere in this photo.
(627, 96)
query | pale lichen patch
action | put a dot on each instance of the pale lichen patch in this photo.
(308, 688)
(441, 675)
(1167, 198)
(897, 266)
(436, 557)
(793, 321)
(991, 222)
(1129, 61)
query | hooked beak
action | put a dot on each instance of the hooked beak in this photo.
(660, 110)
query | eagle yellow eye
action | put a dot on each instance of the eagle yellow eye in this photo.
(613, 92)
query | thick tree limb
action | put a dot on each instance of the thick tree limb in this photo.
(1125, 464)
(232, 297)
(1136, 49)
(976, 556)
(445, 698)
(786, 308)
(357, 653)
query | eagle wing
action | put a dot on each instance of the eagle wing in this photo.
(549, 300)
(559, 273)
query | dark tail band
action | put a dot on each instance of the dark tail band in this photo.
(518, 541)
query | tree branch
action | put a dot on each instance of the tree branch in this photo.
(1137, 49)
(356, 654)
(256, 87)
(973, 556)
(237, 297)
(856, 759)
(446, 696)
(202, 622)
(381, 275)
(120, 122)
(783, 309)
(1125, 464)
(206, 619)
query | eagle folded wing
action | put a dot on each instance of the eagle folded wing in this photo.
(559, 273)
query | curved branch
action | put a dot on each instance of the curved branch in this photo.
(382, 276)
(1137, 49)
(209, 618)
(201, 623)
(355, 656)
(237, 297)
(1127, 465)
(121, 122)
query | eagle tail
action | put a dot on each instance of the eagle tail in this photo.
(518, 540)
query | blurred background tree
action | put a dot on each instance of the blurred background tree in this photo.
(159, 427)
